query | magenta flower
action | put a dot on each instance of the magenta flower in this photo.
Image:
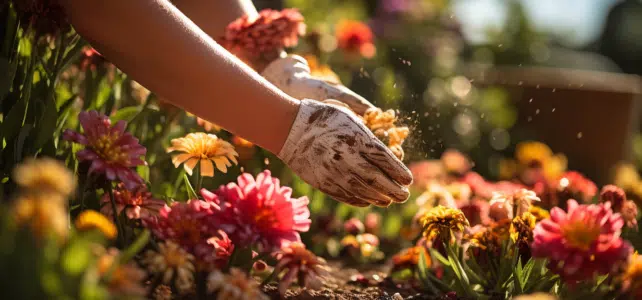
(260, 210)
(110, 150)
(581, 242)
(137, 203)
(190, 226)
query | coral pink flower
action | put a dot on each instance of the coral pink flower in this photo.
(110, 150)
(260, 210)
(190, 226)
(426, 171)
(265, 35)
(581, 242)
(573, 185)
(485, 189)
(137, 203)
(355, 37)
(298, 263)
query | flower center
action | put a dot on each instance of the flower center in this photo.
(188, 232)
(580, 235)
(105, 146)
(265, 218)
(174, 258)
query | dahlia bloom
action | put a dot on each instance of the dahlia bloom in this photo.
(260, 210)
(110, 149)
(266, 35)
(299, 263)
(137, 203)
(355, 37)
(90, 219)
(581, 242)
(173, 263)
(189, 225)
(233, 286)
(204, 149)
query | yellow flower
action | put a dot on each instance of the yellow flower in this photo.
(538, 212)
(632, 276)
(204, 148)
(536, 296)
(533, 153)
(507, 169)
(44, 214)
(46, 175)
(90, 219)
(441, 221)
(521, 228)
(321, 71)
(626, 176)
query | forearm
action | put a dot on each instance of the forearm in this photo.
(214, 15)
(162, 49)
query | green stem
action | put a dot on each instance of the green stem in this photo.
(268, 279)
(199, 179)
(121, 230)
(233, 256)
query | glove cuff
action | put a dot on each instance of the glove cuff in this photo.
(307, 108)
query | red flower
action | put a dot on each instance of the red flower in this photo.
(260, 210)
(272, 31)
(190, 226)
(110, 150)
(476, 211)
(355, 37)
(137, 203)
(573, 185)
(581, 242)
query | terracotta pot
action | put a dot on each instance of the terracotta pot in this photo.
(589, 116)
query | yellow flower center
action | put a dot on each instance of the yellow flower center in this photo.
(580, 235)
(105, 147)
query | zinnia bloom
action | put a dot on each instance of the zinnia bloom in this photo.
(45, 175)
(234, 286)
(355, 38)
(573, 185)
(298, 263)
(409, 258)
(205, 149)
(42, 214)
(260, 210)
(190, 226)
(90, 219)
(137, 203)
(172, 262)
(264, 36)
(441, 221)
(110, 150)
(581, 242)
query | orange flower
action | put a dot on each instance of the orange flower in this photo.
(204, 149)
(321, 71)
(355, 37)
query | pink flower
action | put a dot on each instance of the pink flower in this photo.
(260, 210)
(426, 171)
(613, 194)
(573, 185)
(137, 203)
(581, 242)
(110, 150)
(485, 189)
(476, 211)
(223, 248)
(190, 226)
(298, 263)
(354, 226)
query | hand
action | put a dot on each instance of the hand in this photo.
(331, 149)
(292, 75)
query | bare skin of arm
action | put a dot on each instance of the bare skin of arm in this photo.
(214, 15)
(161, 48)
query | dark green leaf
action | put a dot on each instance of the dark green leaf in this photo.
(125, 113)
(13, 121)
(46, 126)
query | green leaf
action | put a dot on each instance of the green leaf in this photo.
(46, 126)
(13, 120)
(191, 194)
(423, 273)
(125, 113)
(135, 247)
(7, 73)
(76, 257)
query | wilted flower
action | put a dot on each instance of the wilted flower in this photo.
(442, 222)
(632, 277)
(521, 232)
(265, 36)
(511, 205)
(234, 286)
(299, 263)
(355, 38)
(491, 238)
(581, 242)
(353, 226)
(45, 175)
(629, 213)
(189, 225)
(162, 292)
(137, 203)
(171, 261)
(90, 219)
(260, 210)
(476, 212)
(44, 214)
(205, 149)
(436, 194)
(110, 150)
(125, 280)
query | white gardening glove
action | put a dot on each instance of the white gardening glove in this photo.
(331, 149)
(292, 75)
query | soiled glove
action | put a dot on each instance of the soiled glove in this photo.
(331, 149)
(292, 75)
